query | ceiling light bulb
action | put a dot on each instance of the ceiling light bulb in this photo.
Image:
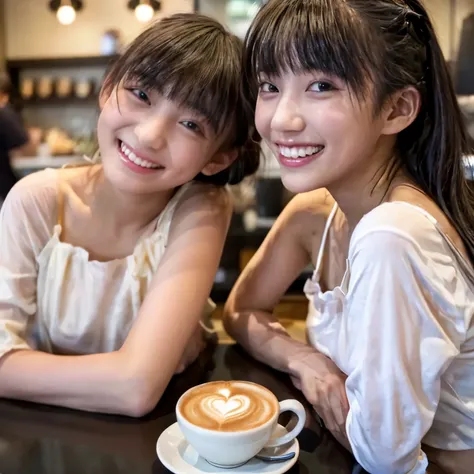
(66, 14)
(144, 12)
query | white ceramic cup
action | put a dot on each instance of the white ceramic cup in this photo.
(229, 449)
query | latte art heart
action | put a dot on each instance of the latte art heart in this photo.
(229, 406)
(222, 409)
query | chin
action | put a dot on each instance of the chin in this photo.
(299, 184)
(126, 183)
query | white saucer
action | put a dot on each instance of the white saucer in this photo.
(179, 457)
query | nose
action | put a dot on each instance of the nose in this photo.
(288, 117)
(151, 132)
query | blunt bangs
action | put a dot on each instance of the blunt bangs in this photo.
(301, 36)
(182, 56)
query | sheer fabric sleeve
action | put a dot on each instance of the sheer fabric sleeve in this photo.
(407, 336)
(26, 220)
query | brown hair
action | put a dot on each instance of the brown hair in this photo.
(390, 44)
(192, 60)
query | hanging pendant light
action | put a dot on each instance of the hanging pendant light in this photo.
(66, 10)
(144, 9)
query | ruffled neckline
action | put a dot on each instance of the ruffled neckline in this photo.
(138, 259)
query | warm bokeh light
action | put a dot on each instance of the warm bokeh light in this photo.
(144, 12)
(66, 14)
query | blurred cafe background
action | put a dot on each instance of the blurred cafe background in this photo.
(56, 53)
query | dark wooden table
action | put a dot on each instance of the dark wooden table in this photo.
(37, 439)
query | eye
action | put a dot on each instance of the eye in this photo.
(267, 87)
(321, 86)
(193, 126)
(140, 95)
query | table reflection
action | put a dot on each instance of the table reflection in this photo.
(36, 439)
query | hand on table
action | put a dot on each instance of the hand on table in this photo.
(323, 385)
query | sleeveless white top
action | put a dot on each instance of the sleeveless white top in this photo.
(401, 326)
(52, 297)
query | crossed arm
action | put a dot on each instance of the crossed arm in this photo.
(131, 380)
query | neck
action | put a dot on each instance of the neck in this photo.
(356, 201)
(125, 210)
(364, 192)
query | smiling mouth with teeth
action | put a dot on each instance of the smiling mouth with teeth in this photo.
(131, 156)
(300, 152)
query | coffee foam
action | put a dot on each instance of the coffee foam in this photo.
(228, 406)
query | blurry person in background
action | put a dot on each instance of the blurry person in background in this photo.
(13, 137)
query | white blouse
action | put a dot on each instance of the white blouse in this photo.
(52, 297)
(401, 326)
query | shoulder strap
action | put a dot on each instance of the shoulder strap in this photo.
(327, 228)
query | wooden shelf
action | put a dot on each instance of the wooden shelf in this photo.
(16, 66)
(70, 100)
(79, 61)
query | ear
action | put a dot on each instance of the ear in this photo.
(401, 110)
(220, 161)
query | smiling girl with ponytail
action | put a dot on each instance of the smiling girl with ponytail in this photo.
(355, 100)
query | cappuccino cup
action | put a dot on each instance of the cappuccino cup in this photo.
(228, 423)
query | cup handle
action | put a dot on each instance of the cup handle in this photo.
(298, 409)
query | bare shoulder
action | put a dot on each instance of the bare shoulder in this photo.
(205, 197)
(201, 205)
(318, 203)
(307, 213)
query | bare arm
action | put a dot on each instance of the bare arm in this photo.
(248, 312)
(131, 381)
(282, 257)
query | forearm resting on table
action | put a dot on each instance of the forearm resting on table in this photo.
(97, 383)
(260, 333)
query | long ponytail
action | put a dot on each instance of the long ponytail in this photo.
(433, 149)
